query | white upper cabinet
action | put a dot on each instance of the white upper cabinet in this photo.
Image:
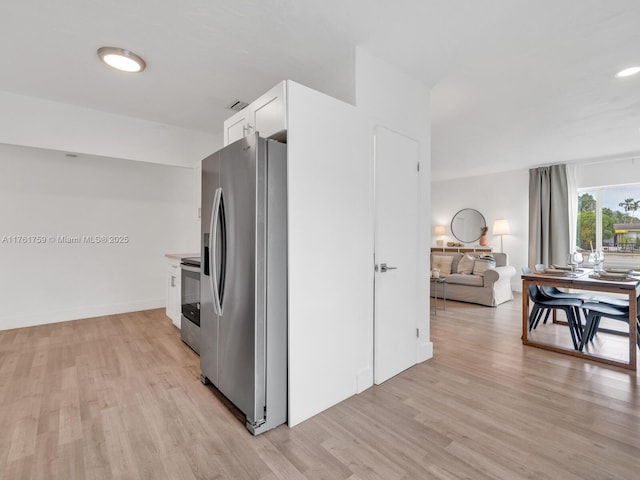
(266, 115)
(237, 126)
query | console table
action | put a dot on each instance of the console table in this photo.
(462, 249)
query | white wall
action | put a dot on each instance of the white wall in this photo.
(389, 97)
(330, 249)
(393, 98)
(34, 122)
(46, 193)
(336, 79)
(502, 195)
(331, 231)
(612, 172)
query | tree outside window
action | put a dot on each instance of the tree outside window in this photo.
(617, 210)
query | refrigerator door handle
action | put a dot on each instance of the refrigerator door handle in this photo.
(213, 246)
(222, 270)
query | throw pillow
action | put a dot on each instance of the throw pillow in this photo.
(443, 263)
(482, 264)
(466, 264)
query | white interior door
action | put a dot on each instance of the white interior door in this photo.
(396, 247)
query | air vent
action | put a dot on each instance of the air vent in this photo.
(237, 105)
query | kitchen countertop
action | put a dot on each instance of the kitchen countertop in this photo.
(180, 256)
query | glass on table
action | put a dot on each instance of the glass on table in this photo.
(579, 258)
(575, 259)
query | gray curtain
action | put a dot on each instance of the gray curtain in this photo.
(548, 215)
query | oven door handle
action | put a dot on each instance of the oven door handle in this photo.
(189, 268)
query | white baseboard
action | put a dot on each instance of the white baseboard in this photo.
(364, 379)
(45, 317)
(425, 351)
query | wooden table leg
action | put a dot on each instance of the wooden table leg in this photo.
(525, 310)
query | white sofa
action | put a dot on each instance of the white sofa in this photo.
(490, 287)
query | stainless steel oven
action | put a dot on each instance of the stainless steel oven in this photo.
(190, 298)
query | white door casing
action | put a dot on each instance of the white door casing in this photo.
(396, 160)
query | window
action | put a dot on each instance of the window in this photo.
(608, 219)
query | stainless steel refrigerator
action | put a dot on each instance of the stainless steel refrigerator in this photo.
(243, 301)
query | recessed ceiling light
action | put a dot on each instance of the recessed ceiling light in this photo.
(121, 59)
(627, 72)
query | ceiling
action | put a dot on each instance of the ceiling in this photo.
(515, 83)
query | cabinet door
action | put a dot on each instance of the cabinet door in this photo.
(236, 126)
(174, 302)
(266, 115)
(269, 112)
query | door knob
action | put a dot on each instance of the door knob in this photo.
(384, 268)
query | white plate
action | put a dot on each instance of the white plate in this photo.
(617, 270)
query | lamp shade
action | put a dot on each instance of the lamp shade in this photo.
(439, 230)
(501, 227)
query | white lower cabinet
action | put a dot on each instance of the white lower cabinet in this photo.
(174, 303)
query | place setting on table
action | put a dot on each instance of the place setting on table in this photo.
(596, 269)
(570, 270)
(560, 271)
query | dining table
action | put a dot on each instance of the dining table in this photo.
(585, 279)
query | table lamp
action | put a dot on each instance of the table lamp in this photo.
(439, 230)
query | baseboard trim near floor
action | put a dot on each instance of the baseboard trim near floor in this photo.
(425, 351)
(10, 322)
(364, 379)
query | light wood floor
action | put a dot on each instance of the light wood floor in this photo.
(120, 397)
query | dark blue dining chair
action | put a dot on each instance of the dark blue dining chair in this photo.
(594, 311)
(543, 306)
(552, 293)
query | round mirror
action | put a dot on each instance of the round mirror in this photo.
(467, 225)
